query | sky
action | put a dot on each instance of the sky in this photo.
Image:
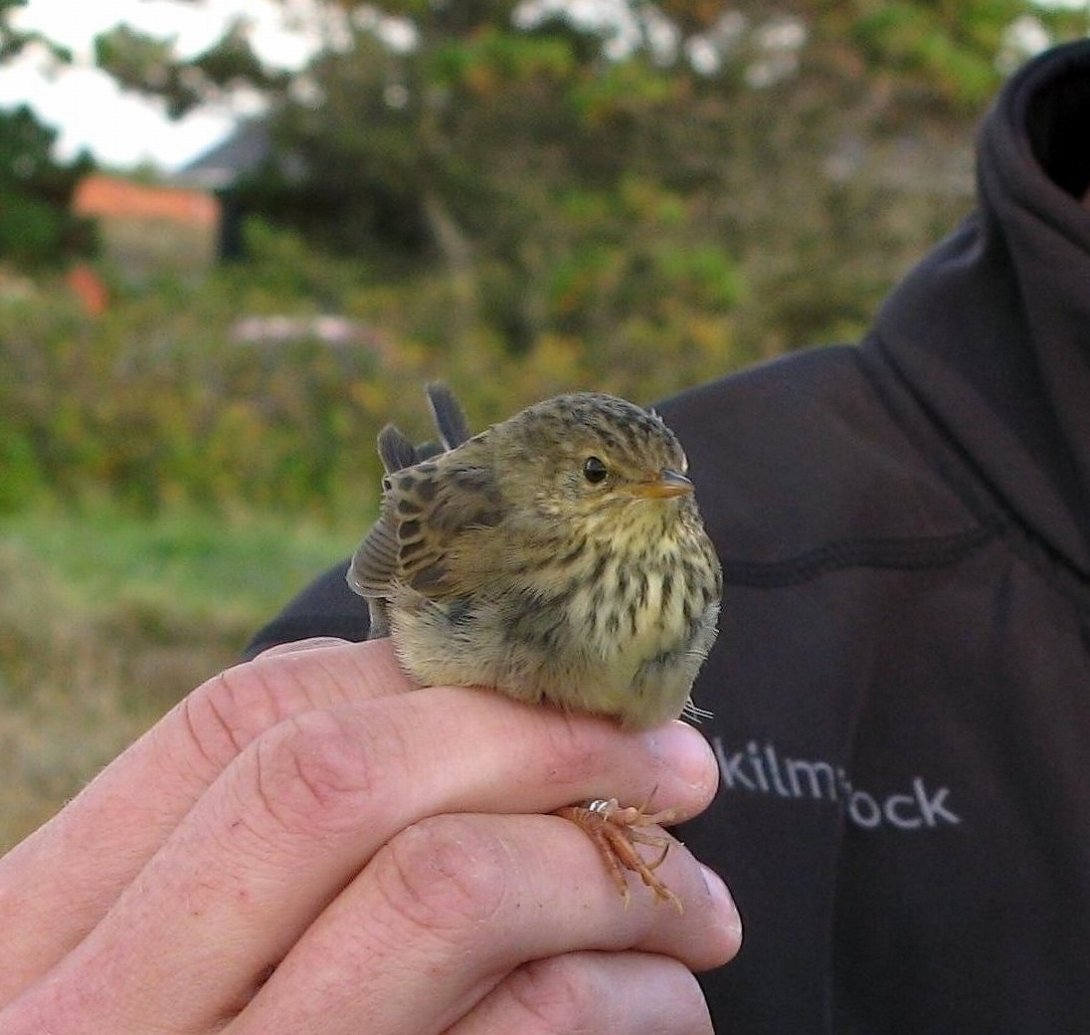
(121, 129)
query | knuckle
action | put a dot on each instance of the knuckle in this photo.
(577, 994)
(558, 996)
(447, 875)
(315, 772)
(232, 708)
(217, 718)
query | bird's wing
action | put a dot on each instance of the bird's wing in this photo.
(374, 565)
(425, 510)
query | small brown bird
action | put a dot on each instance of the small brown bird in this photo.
(557, 556)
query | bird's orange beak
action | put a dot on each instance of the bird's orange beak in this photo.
(668, 484)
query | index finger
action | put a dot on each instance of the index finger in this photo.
(65, 876)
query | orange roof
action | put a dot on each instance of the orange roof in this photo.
(99, 195)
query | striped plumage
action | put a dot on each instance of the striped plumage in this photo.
(556, 556)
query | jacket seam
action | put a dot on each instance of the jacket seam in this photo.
(891, 554)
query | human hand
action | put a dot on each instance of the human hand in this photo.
(301, 846)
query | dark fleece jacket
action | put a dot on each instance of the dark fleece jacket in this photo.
(901, 689)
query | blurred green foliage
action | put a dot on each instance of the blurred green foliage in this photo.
(554, 162)
(166, 400)
(519, 203)
(36, 227)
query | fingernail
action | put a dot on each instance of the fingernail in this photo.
(723, 903)
(685, 751)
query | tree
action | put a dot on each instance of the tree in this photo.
(579, 173)
(36, 225)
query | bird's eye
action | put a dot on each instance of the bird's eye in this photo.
(594, 470)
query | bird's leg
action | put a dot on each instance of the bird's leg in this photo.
(616, 831)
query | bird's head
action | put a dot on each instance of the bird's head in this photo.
(593, 460)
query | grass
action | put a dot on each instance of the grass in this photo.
(186, 563)
(107, 619)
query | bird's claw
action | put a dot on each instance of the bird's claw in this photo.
(616, 832)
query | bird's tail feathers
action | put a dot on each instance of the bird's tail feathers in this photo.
(395, 449)
(450, 420)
